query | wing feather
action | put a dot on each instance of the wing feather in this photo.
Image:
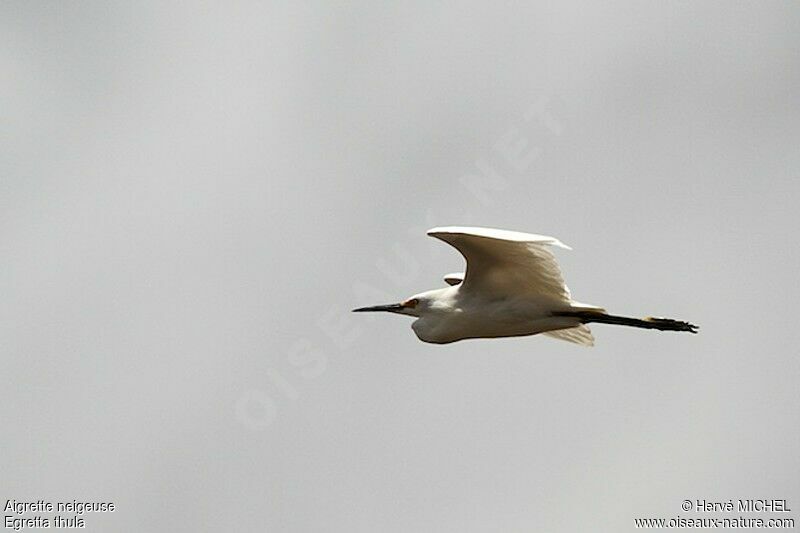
(507, 263)
(579, 335)
(454, 278)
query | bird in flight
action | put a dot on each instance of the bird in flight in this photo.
(512, 287)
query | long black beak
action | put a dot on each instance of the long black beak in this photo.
(392, 308)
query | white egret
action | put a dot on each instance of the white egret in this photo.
(512, 287)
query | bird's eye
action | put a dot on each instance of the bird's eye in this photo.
(412, 303)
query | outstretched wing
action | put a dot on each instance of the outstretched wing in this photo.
(507, 263)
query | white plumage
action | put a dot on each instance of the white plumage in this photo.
(512, 287)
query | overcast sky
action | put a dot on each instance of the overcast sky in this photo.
(193, 195)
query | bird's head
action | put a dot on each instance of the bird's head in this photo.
(413, 306)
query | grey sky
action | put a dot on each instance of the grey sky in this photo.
(194, 195)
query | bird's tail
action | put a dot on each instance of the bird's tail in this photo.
(663, 324)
